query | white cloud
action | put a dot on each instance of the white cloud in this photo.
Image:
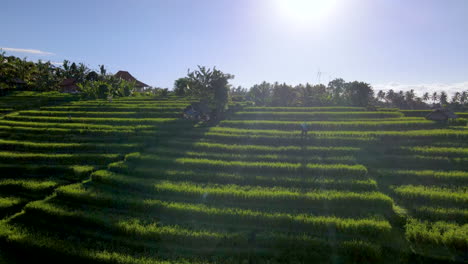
(56, 63)
(30, 51)
(421, 88)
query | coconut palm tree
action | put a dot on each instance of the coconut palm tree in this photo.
(381, 95)
(425, 97)
(443, 98)
(464, 97)
(456, 98)
(434, 97)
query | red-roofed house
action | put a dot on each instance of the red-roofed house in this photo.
(69, 86)
(125, 75)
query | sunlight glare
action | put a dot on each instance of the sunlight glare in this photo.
(306, 11)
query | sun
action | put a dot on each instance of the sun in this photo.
(306, 11)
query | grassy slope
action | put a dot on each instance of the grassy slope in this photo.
(240, 192)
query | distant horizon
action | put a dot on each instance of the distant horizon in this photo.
(397, 45)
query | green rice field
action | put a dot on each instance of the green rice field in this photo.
(129, 181)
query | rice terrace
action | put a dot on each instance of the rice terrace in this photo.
(97, 166)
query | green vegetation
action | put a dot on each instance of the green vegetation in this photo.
(129, 181)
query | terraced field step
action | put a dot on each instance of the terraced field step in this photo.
(434, 133)
(35, 171)
(75, 125)
(333, 125)
(28, 186)
(431, 195)
(282, 197)
(91, 120)
(276, 167)
(260, 149)
(67, 248)
(415, 162)
(304, 109)
(368, 227)
(425, 177)
(451, 152)
(298, 158)
(101, 114)
(308, 116)
(438, 213)
(116, 108)
(20, 157)
(245, 178)
(72, 148)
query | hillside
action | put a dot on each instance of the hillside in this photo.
(130, 182)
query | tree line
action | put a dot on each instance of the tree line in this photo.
(337, 92)
(18, 74)
(212, 86)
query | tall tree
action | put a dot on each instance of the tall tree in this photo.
(283, 95)
(425, 97)
(464, 97)
(443, 98)
(261, 94)
(304, 95)
(359, 93)
(181, 86)
(381, 95)
(434, 97)
(211, 85)
(456, 98)
(336, 88)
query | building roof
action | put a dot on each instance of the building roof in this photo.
(125, 75)
(17, 81)
(68, 81)
(442, 111)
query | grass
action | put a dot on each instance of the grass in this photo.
(247, 190)
(305, 109)
(427, 176)
(28, 185)
(441, 234)
(74, 125)
(91, 120)
(300, 157)
(451, 214)
(230, 216)
(18, 157)
(331, 125)
(280, 196)
(314, 115)
(266, 149)
(244, 178)
(7, 202)
(321, 169)
(433, 133)
(100, 114)
(31, 146)
(443, 151)
(432, 195)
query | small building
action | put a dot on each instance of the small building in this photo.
(69, 85)
(125, 75)
(441, 114)
(7, 85)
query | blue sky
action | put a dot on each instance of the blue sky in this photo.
(419, 44)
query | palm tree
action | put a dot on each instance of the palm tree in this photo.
(409, 97)
(464, 97)
(443, 98)
(389, 97)
(381, 95)
(434, 97)
(425, 97)
(456, 98)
